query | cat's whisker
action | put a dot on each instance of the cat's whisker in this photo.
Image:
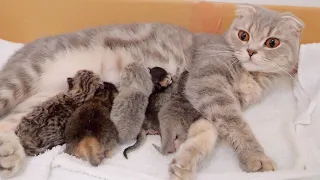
(290, 75)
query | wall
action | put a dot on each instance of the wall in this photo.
(306, 3)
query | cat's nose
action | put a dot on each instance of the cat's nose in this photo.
(251, 52)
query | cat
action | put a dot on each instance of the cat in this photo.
(261, 43)
(175, 118)
(89, 133)
(43, 128)
(161, 93)
(193, 150)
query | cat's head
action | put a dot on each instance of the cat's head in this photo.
(84, 81)
(264, 40)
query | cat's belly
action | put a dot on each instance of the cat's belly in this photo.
(107, 63)
(99, 60)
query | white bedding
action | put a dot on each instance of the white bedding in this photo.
(275, 122)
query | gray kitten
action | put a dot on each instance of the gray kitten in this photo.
(175, 118)
(161, 94)
(43, 128)
(261, 45)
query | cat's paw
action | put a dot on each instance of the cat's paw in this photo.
(181, 170)
(258, 163)
(12, 155)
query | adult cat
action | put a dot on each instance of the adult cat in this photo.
(260, 45)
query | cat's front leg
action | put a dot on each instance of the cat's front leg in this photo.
(129, 107)
(249, 90)
(214, 98)
(202, 137)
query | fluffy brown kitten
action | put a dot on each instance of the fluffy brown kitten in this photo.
(90, 134)
(160, 95)
(43, 128)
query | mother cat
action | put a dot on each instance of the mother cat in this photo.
(259, 46)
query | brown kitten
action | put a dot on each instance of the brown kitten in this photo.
(43, 128)
(160, 95)
(90, 133)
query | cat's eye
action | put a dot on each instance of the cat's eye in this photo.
(243, 36)
(272, 42)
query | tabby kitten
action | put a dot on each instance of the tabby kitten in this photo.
(43, 128)
(260, 44)
(89, 133)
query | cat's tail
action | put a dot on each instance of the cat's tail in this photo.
(141, 139)
(90, 149)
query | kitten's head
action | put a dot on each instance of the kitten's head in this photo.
(160, 79)
(265, 40)
(107, 92)
(85, 81)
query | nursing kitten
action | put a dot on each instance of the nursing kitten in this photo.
(90, 134)
(160, 95)
(43, 128)
(175, 118)
(260, 44)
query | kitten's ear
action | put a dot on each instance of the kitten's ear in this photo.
(293, 21)
(245, 10)
(70, 83)
(100, 89)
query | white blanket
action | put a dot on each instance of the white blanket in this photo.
(290, 139)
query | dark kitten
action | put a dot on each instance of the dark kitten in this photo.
(90, 134)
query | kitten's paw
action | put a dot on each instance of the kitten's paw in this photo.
(12, 155)
(258, 163)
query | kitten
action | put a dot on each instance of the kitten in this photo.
(261, 43)
(90, 134)
(175, 118)
(43, 128)
(161, 93)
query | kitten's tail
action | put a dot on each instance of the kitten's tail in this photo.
(90, 149)
(141, 139)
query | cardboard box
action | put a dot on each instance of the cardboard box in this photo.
(24, 21)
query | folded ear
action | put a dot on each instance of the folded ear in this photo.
(293, 21)
(70, 83)
(245, 10)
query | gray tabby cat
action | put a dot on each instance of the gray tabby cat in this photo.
(260, 45)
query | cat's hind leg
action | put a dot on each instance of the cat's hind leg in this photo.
(12, 154)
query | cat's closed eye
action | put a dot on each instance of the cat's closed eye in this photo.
(272, 42)
(243, 36)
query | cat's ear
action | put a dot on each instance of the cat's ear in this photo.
(243, 10)
(70, 83)
(293, 21)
